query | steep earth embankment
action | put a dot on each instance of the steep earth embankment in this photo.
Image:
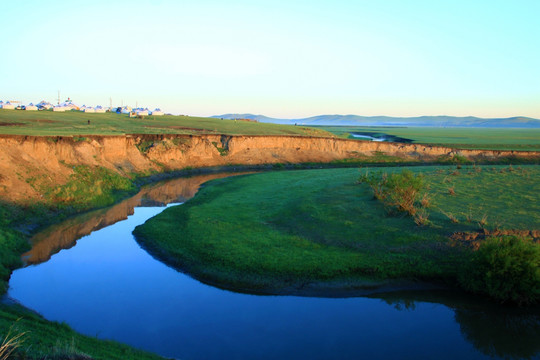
(30, 163)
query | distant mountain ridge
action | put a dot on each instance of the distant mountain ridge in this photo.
(423, 121)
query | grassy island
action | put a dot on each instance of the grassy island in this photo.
(320, 232)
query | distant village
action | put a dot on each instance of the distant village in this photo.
(69, 105)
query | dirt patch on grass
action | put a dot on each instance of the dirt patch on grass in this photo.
(47, 121)
(11, 124)
(473, 239)
(176, 128)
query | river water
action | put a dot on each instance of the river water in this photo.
(367, 137)
(90, 273)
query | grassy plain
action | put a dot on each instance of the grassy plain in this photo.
(286, 232)
(463, 138)
(43, 123)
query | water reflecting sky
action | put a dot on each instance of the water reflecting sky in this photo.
(107, 286)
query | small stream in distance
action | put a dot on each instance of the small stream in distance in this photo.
(90, 273)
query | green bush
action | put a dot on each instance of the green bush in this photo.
(506, 269)
(403, 189)
(399, 190)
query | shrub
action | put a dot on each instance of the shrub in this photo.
(425, 201)
(450, 216)
(377, 182)
(482, 223)
(421, 218)
(506, 269)
(403, 189)
(399, 190)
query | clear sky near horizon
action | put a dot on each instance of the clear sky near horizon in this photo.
(287, 59)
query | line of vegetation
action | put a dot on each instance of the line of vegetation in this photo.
(222, 151)
(296, 232)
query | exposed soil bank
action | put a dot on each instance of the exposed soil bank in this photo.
(30, 163)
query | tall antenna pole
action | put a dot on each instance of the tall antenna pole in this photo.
(110, 102)
(58, 97)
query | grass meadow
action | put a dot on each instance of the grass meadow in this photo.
(49, 123)
(464, 138)
(274, 231)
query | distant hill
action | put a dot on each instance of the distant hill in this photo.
(427, 121)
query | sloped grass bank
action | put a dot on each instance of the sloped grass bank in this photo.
(319, 232)
(42, 339)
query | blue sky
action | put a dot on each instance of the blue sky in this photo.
(279, 58)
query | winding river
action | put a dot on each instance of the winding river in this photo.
(90, 273)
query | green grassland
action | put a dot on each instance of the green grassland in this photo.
(464, 138)
(283, 232)
(42, 123)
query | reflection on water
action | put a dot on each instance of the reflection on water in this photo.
(496, 331)
(64, 235)
(368, 137)
(107, 286)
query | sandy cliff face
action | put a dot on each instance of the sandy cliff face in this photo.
(27, 163)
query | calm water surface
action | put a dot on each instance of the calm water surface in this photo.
(103, 284)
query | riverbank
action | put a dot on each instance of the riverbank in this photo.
(319, 233)
(33, 166)
(41, 338)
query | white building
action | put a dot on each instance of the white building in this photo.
(44, 105)
(69, 105)
(31, 107)
(59, 108)
(157, 112)
(8, 106)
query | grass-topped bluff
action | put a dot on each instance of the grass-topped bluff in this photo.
(320, 232)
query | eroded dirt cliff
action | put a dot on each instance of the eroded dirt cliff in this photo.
(28, 163)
